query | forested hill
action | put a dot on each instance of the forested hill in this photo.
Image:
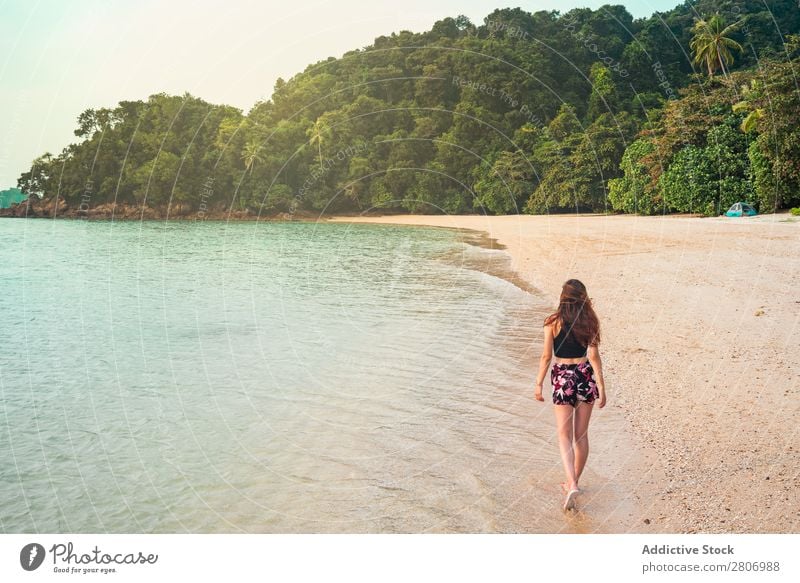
(687, 110)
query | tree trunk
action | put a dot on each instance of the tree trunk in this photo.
(722, 64)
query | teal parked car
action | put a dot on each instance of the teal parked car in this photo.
(741, 209)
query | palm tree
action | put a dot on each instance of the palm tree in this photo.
(315, 133)
(712, 45)
(251, 155)
(750, 93)
(749, 123)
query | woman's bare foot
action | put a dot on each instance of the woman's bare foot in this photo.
(565, 489)
(569, 503)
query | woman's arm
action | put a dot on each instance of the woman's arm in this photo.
(544, 361)
(597, 366)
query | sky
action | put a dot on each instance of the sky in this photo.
(59, 58)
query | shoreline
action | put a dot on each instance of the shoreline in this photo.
(698, 316)
(35, 208)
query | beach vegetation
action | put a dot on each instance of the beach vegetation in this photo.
(712, 44)
(585, 110)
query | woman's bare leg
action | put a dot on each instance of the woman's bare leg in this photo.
(583, 412)
(565, 437)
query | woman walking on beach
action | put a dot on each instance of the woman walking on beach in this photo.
(572, 332)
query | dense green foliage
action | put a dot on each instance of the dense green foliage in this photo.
(723, 141)
(587, 110)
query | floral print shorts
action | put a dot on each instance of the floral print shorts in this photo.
(573, 383)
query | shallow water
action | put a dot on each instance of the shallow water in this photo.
(269, 377)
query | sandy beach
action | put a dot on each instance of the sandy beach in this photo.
(700, 333)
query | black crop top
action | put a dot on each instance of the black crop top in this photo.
(566, 346)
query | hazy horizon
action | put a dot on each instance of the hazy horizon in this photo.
(63, 59)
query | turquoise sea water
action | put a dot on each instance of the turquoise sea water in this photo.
(266, 377)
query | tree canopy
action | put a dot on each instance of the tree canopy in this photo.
(589, 110)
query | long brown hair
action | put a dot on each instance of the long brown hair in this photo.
(576, 314)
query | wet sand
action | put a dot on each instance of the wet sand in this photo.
(701, 325)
